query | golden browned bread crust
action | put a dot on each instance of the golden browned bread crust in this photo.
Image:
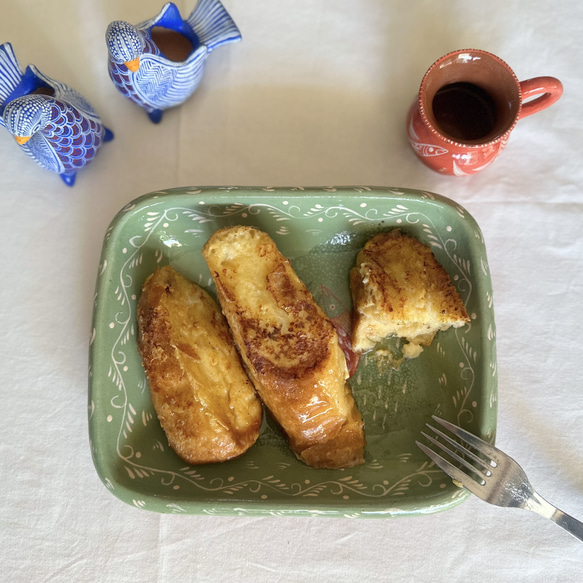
(400, 289)
(289, 346)
(205, 402)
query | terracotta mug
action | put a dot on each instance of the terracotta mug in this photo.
(468, 104)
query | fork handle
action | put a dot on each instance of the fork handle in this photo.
(539, 505)
(570, 524)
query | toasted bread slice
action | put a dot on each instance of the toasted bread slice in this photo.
(205, 402)
(400, 289)
(289, 346)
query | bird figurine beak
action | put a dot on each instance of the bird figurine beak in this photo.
(134, 65)
(21, 140)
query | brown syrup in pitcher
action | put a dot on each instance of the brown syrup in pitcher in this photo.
(173, 45)
(464, 111)
(44, 91)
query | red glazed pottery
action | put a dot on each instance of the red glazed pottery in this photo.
(468, 104)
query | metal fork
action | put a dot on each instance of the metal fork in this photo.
(492, 475)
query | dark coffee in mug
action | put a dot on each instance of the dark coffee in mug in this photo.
(464, 111)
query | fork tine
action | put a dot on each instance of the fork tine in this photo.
(477, 443)
(467, 481)
(462, 449)
(456, 457)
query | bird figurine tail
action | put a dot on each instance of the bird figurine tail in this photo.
(213, 25)
(10, 75)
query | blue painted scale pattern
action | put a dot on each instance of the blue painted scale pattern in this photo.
(160, 83)
(68, 142)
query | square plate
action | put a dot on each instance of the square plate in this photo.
(320, 230)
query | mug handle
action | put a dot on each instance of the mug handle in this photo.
(549, 90)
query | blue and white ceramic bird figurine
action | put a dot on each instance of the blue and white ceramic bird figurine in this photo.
(159, 63)
(52, 123)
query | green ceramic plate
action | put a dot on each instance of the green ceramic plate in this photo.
(321, 231)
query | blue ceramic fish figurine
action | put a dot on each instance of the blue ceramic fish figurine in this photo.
(52, 123)
(159, 63)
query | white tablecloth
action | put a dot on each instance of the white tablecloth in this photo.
(316, 94)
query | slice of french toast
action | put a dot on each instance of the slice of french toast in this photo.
(204, 399)
(289, 347)
(400, 289)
